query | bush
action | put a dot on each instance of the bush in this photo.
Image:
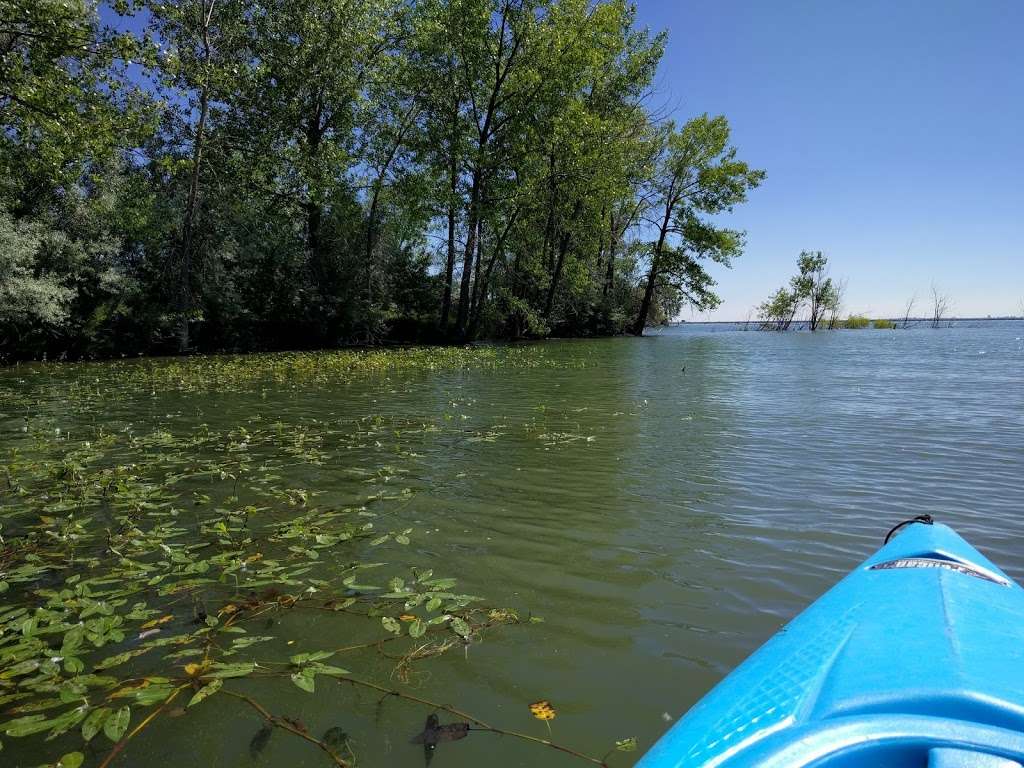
(856, 322)
(884, 324)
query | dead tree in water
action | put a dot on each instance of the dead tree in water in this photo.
(940, 306)
(907, 311)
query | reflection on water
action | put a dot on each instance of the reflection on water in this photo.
(663, 508)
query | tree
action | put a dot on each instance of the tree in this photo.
(940, 306)
(200, 34)
(907, 310)
(834, 303)
(65, 101)
(813, 286)
(696, 175)
(30, 294)
(777, 313)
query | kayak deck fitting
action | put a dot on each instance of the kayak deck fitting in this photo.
(916, 658)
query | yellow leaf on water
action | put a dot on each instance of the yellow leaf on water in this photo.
(407, 617)
(157, 622)
(192, 668)
(543, 710)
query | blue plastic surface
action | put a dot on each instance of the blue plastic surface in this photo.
(916, 656)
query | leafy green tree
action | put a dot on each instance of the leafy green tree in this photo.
(29, 294)
(777, 313)
(696, 176)
(65, 101)
(814, 286)
(194, 29)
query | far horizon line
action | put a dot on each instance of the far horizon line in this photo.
(881, 317)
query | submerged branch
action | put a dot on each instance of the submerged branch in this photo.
(285, 724)
(475, 720)
(123, 742)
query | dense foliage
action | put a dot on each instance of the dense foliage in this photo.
(251, 174)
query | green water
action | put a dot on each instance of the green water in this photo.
(664, 504)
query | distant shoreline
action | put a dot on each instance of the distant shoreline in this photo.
(894, 319)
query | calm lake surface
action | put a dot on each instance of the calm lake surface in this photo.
(665, 504)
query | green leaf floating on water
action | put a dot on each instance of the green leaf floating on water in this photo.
(71, 760)
(120, 658)
(117, 588)
(626, 745)
(230, 670)
(94, 722)
(326, 669)
(116, 725)
(302, 658)
(25, 726)
(305, 678)
(206, 691)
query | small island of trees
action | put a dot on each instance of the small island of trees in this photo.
(818, 300)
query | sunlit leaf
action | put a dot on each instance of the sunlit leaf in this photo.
(230, 670)
(117, 723)
(71, 760)
(94, 722)
(205, 692)
(543, 710)
(626, 745)
(305, 679)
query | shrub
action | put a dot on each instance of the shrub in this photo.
(856, 322)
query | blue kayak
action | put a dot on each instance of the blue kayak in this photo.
(914, 659)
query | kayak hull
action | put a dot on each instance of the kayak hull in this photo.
(916, 658)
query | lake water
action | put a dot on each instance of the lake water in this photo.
(665, 504)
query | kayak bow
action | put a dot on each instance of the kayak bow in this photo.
(914, 659)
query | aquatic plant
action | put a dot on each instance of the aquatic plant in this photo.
(856, 322)
(146, 568)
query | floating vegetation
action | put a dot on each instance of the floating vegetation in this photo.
(238, 373)
(147, 568)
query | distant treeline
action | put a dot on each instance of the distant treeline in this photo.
(248, 174)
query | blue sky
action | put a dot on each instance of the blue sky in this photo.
(892, 133)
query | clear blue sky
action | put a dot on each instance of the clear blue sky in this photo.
(892, 132)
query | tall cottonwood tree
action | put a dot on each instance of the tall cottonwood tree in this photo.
(696, 176)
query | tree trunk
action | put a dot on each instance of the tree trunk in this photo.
(371, 242)
(449, 270)
(476, 268)
(472, 218)
(563, 249)
(314, 214)
(188, 223)
(652, 277)
(613, 241)
(485, 280)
